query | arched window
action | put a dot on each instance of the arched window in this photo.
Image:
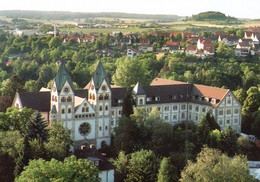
(141, 102)
(100, 97)
(55, 98)
(90, 96)
(62, 111)
(52, 98)
(106, 107)
(100, 108)
(106, 97)
(93, 97)
(63, 99)
(69, 99)
(83, 109)
(103, 144)
(69, 110)
(87, 109)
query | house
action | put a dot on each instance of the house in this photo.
(145, 47)
(172, 47)
(242, 49)
(131, 52)
(206, 45)
(228, 40)
(89, 39)
(98, 159)
(105, 53)
(92, 113)
(191, 49)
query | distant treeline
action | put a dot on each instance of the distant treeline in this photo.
(212, 15)
(65, 15)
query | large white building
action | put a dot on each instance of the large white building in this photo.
(92, 113)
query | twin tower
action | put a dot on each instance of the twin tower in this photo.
(85, 112)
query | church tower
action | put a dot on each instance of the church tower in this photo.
(62, 97)
(99, 95)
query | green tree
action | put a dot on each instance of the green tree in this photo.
(256, 123)
(228, 141)
(59, 141)
(203, 132)
(223, 51)
(121, 163)
(243, 145)
(240, 95)
(71, 169)
(36, 128)
(126, 135)
(128, 104)
(251, 105)
(167, 172)
(129, 72)
(55, 42)
(212, 165)
(13, 85)
(213, 125)
(143, 166)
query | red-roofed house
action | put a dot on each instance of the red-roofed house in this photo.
(191, 49)
(89, 39)
(206, 45)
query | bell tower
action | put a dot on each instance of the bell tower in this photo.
(99, 95)
(62, 96)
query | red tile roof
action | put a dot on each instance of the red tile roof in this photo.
(161, 81)
(191, 48)
(172, 43)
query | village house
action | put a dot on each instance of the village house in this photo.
(131, 52)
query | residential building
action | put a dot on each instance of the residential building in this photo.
(131, 52)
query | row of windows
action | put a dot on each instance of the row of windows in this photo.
(101, 108)
(92, 96)
(182, 107)
(103, 97)
(228, 121)
(113, 112)
(68, 99)
(100, 128)
(63, 111)
(228, 112)
(85, 109)
(84, 115)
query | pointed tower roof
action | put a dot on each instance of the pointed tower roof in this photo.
(100, 75)
(138, 89)
(62, 76)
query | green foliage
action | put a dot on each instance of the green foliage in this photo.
(212, 165)
(13, 85)
(228, 141)
(121, 164)
(36, 128)
(59, 141)
(251, 105)
(240, 94)
(128, 104)
(143, 166)
(210, 15)
(71, 169)
(126, 135)
(167, 172)
(129, 72)
(243, 145)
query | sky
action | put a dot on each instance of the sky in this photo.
(236, 8)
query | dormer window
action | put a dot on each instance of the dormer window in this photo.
(149, 99)
(157, 98)
(106, 97)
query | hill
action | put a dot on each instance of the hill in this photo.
(212, 15)
(66, 15)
